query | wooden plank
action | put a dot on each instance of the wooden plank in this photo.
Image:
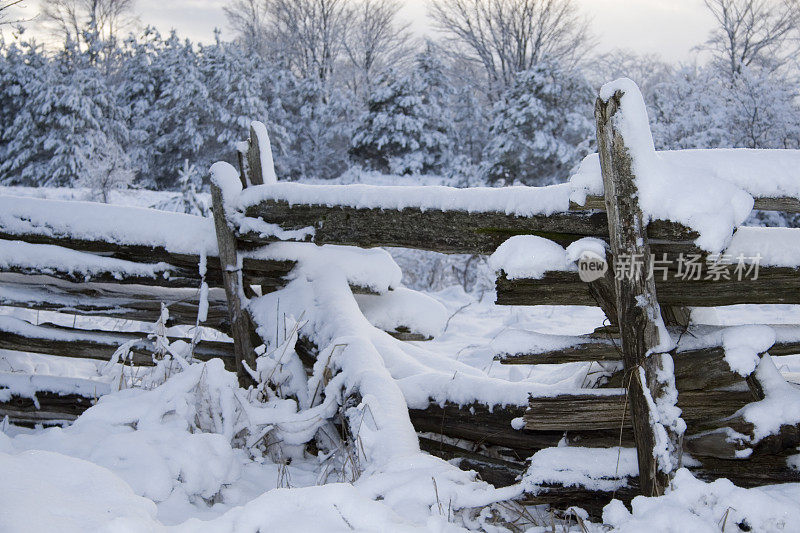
(242, 328)
(598, 412)
(785, 204)
(54, 409)
(439, 231)
(100, 345)
(492, 426)
(719, 444)
(756, 471)
(184, 267)
(775, 285)
(562, 498)
(168, 276)
(651, 379)
(498, 472)
(585, 349)
(113, 301)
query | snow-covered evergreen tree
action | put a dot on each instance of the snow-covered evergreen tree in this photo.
(688, 111)
(406, 128)
(68, 116)
(541, 127)
(318, 129)
(242, 88)
(138, 85)
(21, 66)
(182, 109)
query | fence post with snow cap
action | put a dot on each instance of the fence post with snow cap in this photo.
(259, 156)
(624, 144)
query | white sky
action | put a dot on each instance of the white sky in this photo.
(667, 27)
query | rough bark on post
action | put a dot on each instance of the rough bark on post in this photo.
(649, 374)
(242, 329)
(603, 290)
(240, 157)
(254, 160)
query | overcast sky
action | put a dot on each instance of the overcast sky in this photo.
(667, 27)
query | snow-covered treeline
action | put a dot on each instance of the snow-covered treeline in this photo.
(150, 110)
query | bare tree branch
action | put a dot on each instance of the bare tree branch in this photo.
(507, 36)
(248, 18)
(70, 18)
(375, 40)
(5, 5)
(754, 33)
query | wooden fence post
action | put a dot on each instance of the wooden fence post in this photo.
(259, 156)
(649, 375)
(254, 159)
(242, 329)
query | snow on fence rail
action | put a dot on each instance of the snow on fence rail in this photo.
(666, 385)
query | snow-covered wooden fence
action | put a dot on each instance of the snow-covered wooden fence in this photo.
(637, 403)
(96, 260)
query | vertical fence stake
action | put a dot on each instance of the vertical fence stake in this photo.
(648, 376)
(242, 329)
(254, 159)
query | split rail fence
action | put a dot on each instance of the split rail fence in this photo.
(625, 409)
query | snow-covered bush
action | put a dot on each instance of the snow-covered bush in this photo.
(406, 129)
(67, 115)
(105, 171)
(704, 107)
(541, 127)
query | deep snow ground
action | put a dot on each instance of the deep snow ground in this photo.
(151, 460)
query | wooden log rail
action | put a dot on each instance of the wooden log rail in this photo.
(446, 231)
(129, 302)
(774, 285)
(54, 409)
(18, 335)
(600, 410)
(695, 368)
(783, 204)
(181, 270)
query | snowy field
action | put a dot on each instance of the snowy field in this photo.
(167, 454)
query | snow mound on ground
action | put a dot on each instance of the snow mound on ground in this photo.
(693, 505)
(163, 442)
(328, 508)
(46, 491)
(404, 308)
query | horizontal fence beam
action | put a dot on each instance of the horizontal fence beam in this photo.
(183, 268)
(126, 302)
(54, 409)
(100, 345)
(784, 204)
(436, 230)
(774, 285)
(595, 412)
